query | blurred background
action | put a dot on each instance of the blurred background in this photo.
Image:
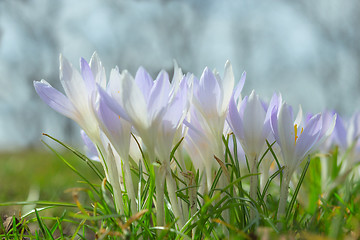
(307, 50)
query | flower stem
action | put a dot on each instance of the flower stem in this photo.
(284, 192)
(171, 187)
(159, 184)
(129, 186)
(253, 184)
(118, 198)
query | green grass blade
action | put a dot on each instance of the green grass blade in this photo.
(83, 157)
(293, 199)
(71, 167)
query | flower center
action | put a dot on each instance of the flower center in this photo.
(296, 132)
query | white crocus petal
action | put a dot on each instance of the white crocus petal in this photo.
(73, 84)
(98, 70)
(55, 99)
(177, 77)
(81, 97)
(131, 99)
(163, 147)
(253, 125)
(114, 85)
(171, 121)
(227, 85)
(299, 117)
(135, 146)
(286, 132)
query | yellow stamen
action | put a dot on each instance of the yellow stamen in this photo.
(296, 130)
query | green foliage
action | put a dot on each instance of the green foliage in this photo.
(324, 202)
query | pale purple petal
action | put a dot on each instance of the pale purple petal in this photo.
(308, 116)
(243, 106)
(328, 124)
(308, 137)
(87, 75)
(159, 96)
(144, 82)
(353, 129)
(239, 86)
(112, 104)
(109, 119)
(177, 109)
(193, 128)
(208, 93)
(116, 129)
(340, 133)
(264, 105)
(55, 99)
(91, 151)
(274, 123)
(274, 102)
(234, 119)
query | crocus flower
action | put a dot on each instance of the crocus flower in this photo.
(346, 133)
(154, 108)
(268, 160)
(251, 127)
(295, 144)
(200, 149)
(211, 99)
(207, 118)
(346, 136)
(144, 102)
(118, 131)
(81, 104)
(80, 89)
